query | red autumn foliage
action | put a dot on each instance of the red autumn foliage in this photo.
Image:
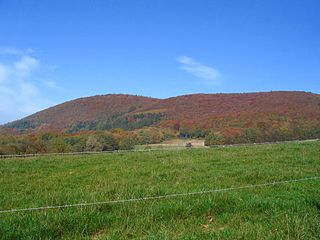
(229, 113)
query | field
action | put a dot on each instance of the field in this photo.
(284, 211)
(172, 144)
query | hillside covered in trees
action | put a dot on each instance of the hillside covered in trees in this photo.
(220, 118)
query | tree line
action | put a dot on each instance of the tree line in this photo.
(256, 135)
(116, 139)
(119, 139)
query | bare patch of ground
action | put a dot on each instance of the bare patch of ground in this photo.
(176, 143)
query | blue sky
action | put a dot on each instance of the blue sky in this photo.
(53, 51)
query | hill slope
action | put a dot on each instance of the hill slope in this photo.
(222, 112)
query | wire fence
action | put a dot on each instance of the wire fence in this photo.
(159, 197)
(87, 152)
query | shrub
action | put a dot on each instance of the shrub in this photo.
(214, 138)
(127, 143)
(92, 144)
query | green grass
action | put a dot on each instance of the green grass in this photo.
(289, 211)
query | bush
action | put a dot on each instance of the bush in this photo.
(216, 138)
(102, 142)
(58, 145)
(127, 143)
(108, 142)
(93, 145)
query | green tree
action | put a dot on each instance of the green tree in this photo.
(127, 143)
(108, 142)
(92, 144)
(214, 138)
(58, 145)
(250, 135)
(185, 133)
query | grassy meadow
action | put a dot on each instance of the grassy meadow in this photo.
(287, 211)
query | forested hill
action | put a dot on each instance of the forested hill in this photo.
(227, 113)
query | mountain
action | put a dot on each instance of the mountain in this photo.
(221, 112)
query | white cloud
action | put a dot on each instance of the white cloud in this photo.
(207, 73)
(15, 51)
(20, 94)
(3, 73)
(12, 51)
(25, 65)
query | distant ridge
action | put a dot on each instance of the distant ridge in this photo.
(222, 112)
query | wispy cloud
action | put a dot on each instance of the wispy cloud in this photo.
(20, 93)
(52, 84)
(15, 51)
(25, 66)
(3, 73)
(210, 74)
